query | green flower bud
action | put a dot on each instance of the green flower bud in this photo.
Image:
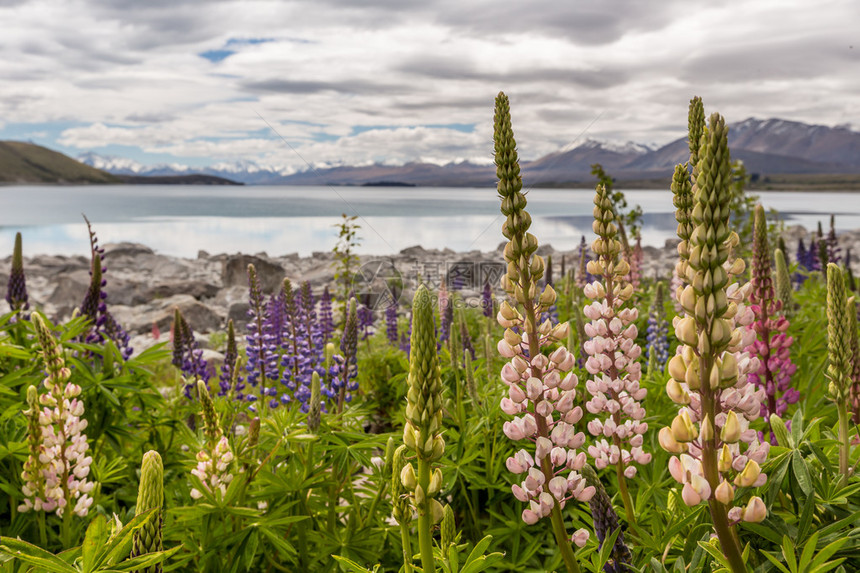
(150, 495)
(838, 336)
(211, 424)
(449, 530)
(315, 405)
(399, 501)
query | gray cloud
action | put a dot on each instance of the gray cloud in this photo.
(130, 73)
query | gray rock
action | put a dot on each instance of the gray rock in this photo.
(234, 272)
(199, 290)
(139, 319)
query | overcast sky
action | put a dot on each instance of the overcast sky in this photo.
(398, 80)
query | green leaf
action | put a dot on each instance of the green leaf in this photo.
(801, 472)
(29, 553)
(94, 541)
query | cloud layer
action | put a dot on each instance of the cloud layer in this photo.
(287, 84)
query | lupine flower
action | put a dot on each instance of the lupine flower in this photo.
(801, 256)
(551, 313)
(315, 406)
(636, 264)
(150, 495)
(487, 304)
(718, 450)
(215, 458)
(682, 198)
(583, 277)
(186, 355)
(55, 474)
(465, 336)
(854, 406)
(422, 432)
(16, 289)
(326, 318)
(405, 339)
(230, 379)
(304, 353)
(813, 261)
(391, 323)
(613, 356)
(541, 389)
(771, 345)
(833, 251)
(841, 319)
(349, 349)
(446, 313)
(94, 306)
(784, 291)
(263, 358)
(605, 523)
(366, 318)
(658, 330)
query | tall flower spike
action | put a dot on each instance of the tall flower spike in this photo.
(150, 495)
(771, 345)
(228, 368)
(400, 504)
(211, 423)
(854, 405)
(682, 192)
(708, 375)
(833, 251)
(538, 389)
(326, 319)
(187, 357)
(839, 367)
(658, 330)
(784, 290)
(16, 290)
(423, 430)
(314, 408)
(605, 523)
(391, 330)
(349, 348)
(613, 357)
(695, 127)
(263, 359)
(59, 481)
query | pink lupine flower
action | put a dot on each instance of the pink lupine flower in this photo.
(55, 474)
(613, 358)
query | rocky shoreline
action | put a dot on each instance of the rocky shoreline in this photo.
(145, 287)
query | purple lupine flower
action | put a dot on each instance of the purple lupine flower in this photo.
(275, 318)
(833, 250)
(16, 290)
(349, 348)
(231, 357)
(326, 319)
(391, 323)
(658, 330)
(813, 262)
(487, 304)
(94, 306)
(446, 311)
(583, 277)
(365, 317)
(262, 353)
(406, 338)
(801, 256)
(772, 346)
(187, 357)
(304, 350)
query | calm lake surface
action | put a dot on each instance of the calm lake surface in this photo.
(181, 219)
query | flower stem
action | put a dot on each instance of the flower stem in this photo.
(622, 489)
(844, 442)
(406, 542)
(563, 541)
(719, 514)
(425, 523)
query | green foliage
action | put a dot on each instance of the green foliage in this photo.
(346, 261)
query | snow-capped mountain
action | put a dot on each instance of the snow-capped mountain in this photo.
(242, 171)
(769, 146)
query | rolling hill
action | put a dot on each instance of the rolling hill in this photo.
(29, 163)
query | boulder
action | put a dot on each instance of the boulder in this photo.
(198, 290)
(139, 319)
(234, 272)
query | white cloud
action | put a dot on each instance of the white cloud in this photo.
(130, 73)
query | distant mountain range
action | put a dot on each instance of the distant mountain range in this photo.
(767, 147)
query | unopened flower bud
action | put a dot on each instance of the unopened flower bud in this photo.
(683, 429)
(731, 431)
(755, 511)
(749, 476)
(725, 493)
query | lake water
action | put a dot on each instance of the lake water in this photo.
(180, 220)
